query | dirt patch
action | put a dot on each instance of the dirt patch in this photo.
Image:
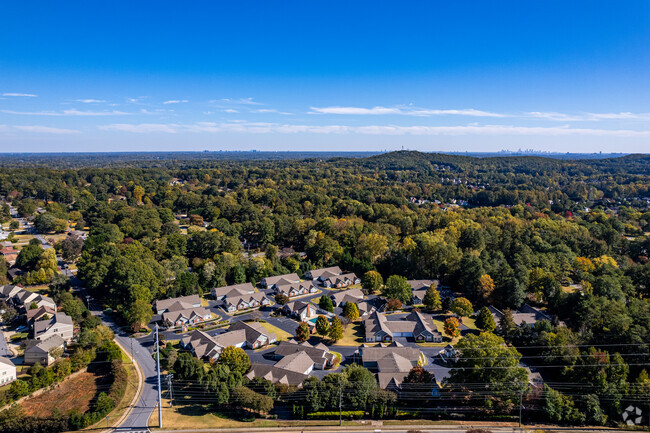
(76, 393)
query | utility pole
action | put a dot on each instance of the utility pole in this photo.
(158, 371)
(132, 359)
(521, 400)
(170, 389)
(340, 404)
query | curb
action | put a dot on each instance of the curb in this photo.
(136, 397)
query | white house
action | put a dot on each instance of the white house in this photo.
(7, 371)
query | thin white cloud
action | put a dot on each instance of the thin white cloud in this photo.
(26, 95)
(262, 127)
(231, 110)
(588, 117)
(45, 129)
(354, 110)
(71, 112)
(176, 101)
(405, 111)
(89, 101)
(240, 101)
(142, 128)
(271, 110)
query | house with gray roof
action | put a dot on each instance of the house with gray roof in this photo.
(190, 316)
(291, 369)
(300, 310)
(416, 325)
(177, 304)
(272, 282)
(39, 313)
(60, 324)
(524, 314)
(202, 345)
(392, 364)
(244, 302)
(220, 293)
(295, 289)
(320, 355)
(339, 299)
(256, 335)
(419, 289)
(276, 374)
(316, 274)
(40, 351)
(338, 281)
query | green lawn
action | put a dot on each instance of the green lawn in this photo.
(470, 323)
(353, 335)
(282, 335)
(199, 416)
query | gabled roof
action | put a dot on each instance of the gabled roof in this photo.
(234, 290)
(285, 288)
(7, 362)
(180, 303)
(173, 316)
(288, 278)
(318, 353)
(333, 270)
(38, 312)
(374, 354)
(391, 380)
(417, 285)
(299, 362)
(248, 298)
(422, 323)
(25, 296)
(416, 323)
(335, 279)
(58, 319)
(253, 331)
(276, 374)
(394, 362)
(297, 307)
(202, 344)
(230, 338)
(44, 345)
(350, 294)
(9, 290)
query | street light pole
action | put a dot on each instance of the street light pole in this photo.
(158, 371)
(340, 404)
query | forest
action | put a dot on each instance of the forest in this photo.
(569, 236)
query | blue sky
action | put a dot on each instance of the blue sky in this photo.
(307, 75)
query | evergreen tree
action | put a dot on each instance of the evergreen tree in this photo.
(485, 321)
(432, 299)
(336, 329)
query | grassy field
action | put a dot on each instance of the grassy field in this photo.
(203, 417)
(41, 290)
(75, 393)
(470, 323)
(353, 335)
(282, 335)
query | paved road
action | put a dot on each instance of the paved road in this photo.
(138, 419)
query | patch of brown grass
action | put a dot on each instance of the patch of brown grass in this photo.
(75, 393)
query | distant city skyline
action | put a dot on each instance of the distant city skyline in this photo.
(336, 76)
